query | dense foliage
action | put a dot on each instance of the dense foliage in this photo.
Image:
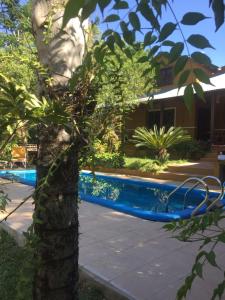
(192, 150)
(119, 87)
(107, 160)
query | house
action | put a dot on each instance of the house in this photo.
(206, 120)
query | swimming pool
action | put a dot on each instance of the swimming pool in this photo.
(144, 199)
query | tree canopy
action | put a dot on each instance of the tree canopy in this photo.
(124, 27)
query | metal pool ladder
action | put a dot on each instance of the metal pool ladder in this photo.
(200, 181)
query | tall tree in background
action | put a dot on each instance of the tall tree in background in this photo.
(18, 60)
(121, 85)
(9, 14)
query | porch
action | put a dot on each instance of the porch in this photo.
(204, 122)
(210, 118)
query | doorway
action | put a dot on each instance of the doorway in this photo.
(203, 123)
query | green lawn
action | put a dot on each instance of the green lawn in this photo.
(148, 165)
(16, 273)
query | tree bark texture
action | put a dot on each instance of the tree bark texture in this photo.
(56, 207)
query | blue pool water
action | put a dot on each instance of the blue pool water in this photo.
(146, 200)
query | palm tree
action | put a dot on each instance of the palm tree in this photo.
(56, 208)
(160, 140)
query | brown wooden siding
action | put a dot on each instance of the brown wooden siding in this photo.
(183, 118)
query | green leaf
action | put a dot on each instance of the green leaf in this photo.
(129, 37)
(192, 18)
(201, 58)
(166, 31)
(199, 90)
(148, 14)
(189, 281)
(99, 54)
(88, 8)
(103, 4)
(202, 76)
(180, 64)
(118, 40)
(124, 26)
(199, 41)
(189, 97)
(134, 20)
(176, 51)
(143, 59)
(107, 33)
(154, 50)
(211, 257)
(158, 6)
(218, 7)
(128, 53)
(111, 43)
(221, 237)
(198, 269)
(121, 5)
(169, 226)
(219, 291)
(168, 43)
(149, 39)
(147, 72)
(72, 9)
(112, 18)
(183, 78)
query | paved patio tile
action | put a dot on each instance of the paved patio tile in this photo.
(115, 264)
(98, 252)
(199, 291)
(145, 281)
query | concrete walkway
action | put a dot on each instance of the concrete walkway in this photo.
(135, 256)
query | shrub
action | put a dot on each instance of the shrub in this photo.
(190, 150)
(160, 140)
(109, 160)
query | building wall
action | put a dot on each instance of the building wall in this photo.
(139, 118)
(183, 118)
(219, 120)
(220, 111)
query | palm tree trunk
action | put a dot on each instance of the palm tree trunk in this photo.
(56, 220)
(56, 204)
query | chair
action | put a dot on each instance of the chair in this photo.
(3, 164)
(19, 155)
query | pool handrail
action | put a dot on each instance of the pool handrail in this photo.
(220, 196)
(183, 184)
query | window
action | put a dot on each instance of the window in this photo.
(166, 76)
(166, 116)
(154, 118)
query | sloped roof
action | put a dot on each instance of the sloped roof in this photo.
(218, 83)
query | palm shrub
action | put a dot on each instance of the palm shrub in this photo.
(160, 140)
